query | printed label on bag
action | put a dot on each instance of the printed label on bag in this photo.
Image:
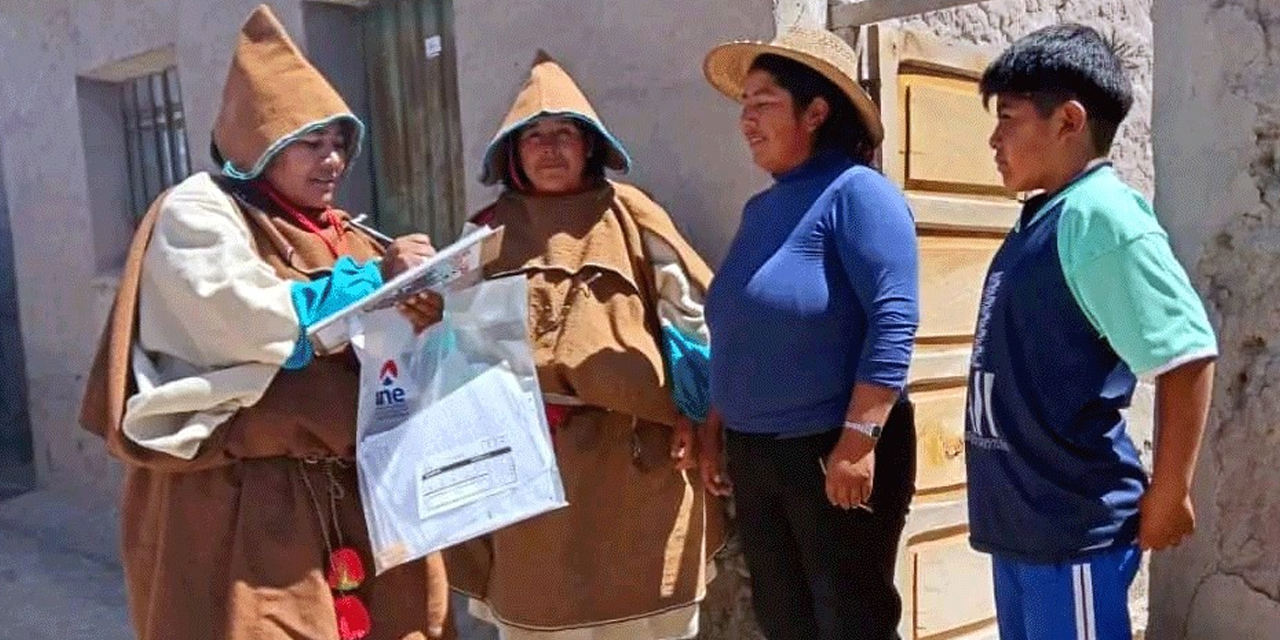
(465, 474)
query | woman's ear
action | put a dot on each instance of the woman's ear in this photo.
(815, 114)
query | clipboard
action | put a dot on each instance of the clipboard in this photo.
(454, 267)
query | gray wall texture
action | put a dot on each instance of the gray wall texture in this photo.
(1217, 136)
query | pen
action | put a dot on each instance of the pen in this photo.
(358, 222)
(822, 464)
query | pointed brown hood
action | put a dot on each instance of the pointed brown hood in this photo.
(273, 95)
(549, 92)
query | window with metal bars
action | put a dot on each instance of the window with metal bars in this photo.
(155, 135)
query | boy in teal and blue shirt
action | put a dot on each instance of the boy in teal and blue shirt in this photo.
(1083, 296)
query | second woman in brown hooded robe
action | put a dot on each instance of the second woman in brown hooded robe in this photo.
(615, 318)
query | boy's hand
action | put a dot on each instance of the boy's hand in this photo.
(684, 445)
(1165, 517)
(851, 470)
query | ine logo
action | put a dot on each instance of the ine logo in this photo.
(389, 373)
(391, 394)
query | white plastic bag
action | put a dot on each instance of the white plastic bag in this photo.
(452, 439)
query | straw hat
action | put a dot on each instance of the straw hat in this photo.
(727, 65)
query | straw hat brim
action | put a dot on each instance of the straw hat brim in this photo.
(726, 68)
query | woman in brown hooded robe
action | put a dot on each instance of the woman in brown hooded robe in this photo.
(615, 319)
(242, 519)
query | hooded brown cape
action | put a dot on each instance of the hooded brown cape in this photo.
(636, 536)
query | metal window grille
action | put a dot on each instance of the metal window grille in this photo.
(155, 136)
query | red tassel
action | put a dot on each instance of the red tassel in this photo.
(556, 415)
(353, 618)
(346, 572)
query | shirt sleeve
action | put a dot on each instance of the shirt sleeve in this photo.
(686, 342)
(326, 295)
(876, 241)
(215, 322)
(1123, 274)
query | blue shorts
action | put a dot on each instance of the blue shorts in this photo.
(1087, 599)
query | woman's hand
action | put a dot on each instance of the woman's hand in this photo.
(437, 597)
(404, 253)
(423, 309)
(684, 444)
(711, 457)
(851, 470)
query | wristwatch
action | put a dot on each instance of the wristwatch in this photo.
(869, 429)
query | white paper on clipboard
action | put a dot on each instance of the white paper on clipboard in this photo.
(453, 268)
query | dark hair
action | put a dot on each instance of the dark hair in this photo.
(235, 185)
(843, 128)
(1060, 63)
(513, 176)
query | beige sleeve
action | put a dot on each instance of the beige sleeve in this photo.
(215, 322)
(680, 302)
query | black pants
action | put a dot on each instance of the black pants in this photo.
(820, 572)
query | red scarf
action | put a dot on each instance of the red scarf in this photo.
(329, 214)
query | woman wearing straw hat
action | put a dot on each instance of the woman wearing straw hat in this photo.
(813, 315)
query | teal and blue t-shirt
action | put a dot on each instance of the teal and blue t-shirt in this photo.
(1084, 293)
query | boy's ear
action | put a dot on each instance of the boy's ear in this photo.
(1074, 118)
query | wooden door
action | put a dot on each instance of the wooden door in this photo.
(416, 130)
(936, 132)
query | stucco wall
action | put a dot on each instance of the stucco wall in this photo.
(1217, 126)
(64, 278)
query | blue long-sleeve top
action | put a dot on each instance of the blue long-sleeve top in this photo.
(819, 291)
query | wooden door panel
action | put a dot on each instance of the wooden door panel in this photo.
(952, 588)
(947, 131)
(945, 212)
(934, 363)
(940, 440)
(952, 271)
(935, 148)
